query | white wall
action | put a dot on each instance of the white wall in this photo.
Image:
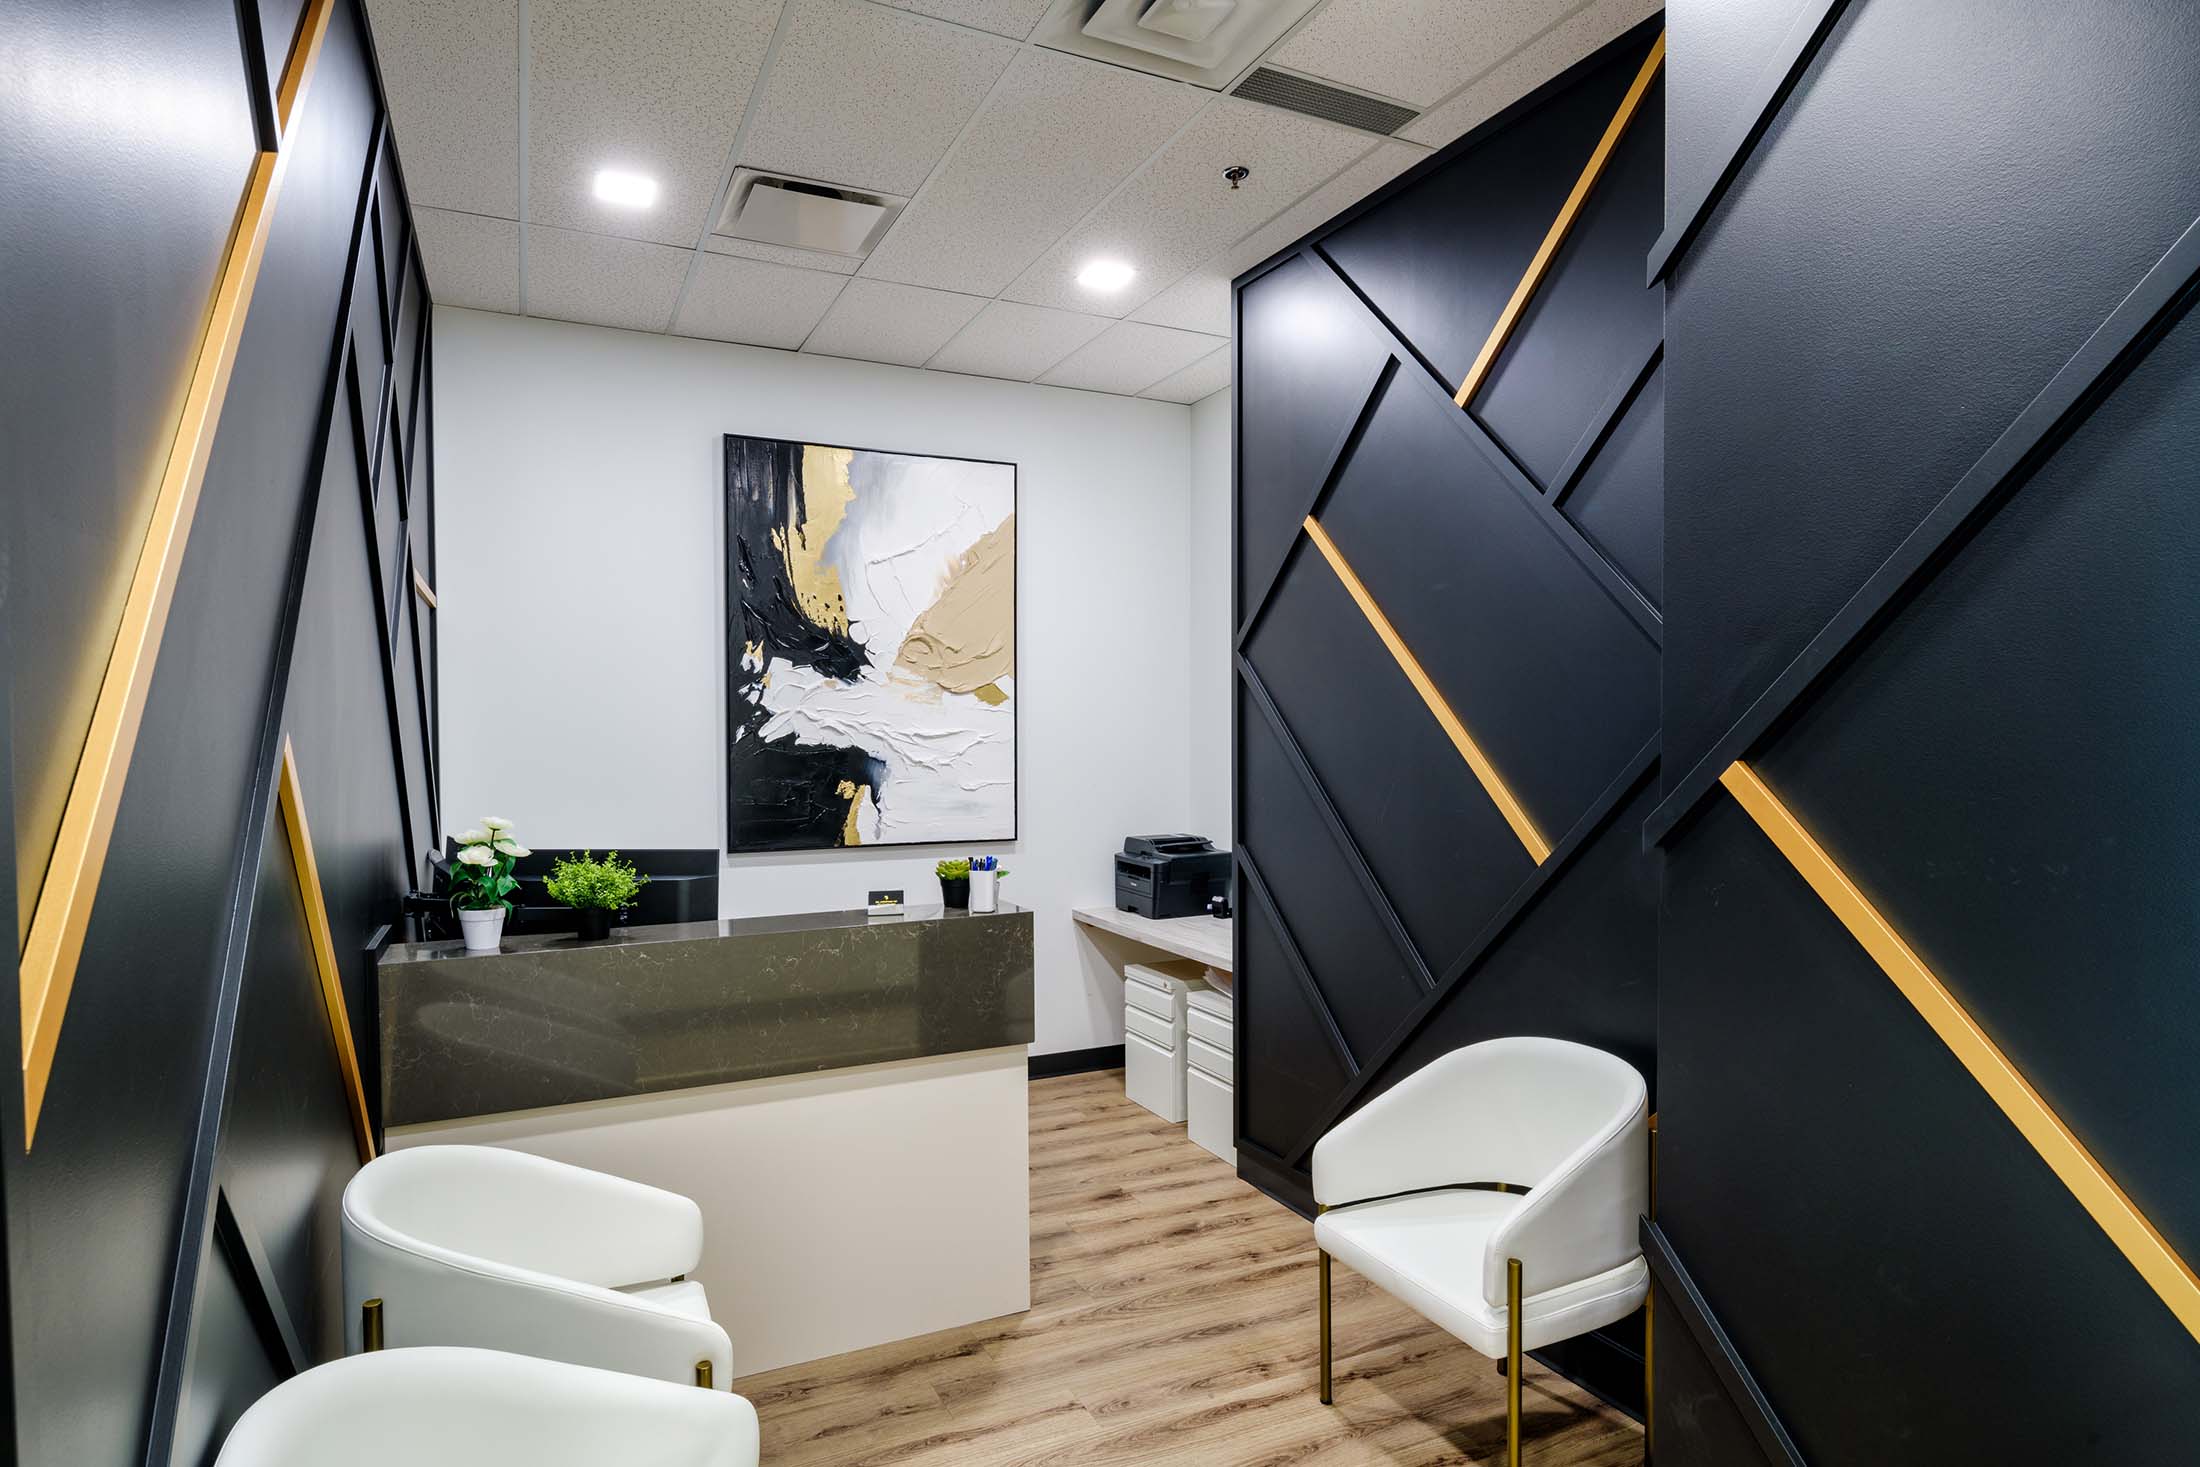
(1212, 676)
(578, 567)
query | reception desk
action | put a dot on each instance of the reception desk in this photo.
(845, 1096)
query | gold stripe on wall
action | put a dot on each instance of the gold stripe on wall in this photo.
(2171, 1278)
(1563, 225)
(293, 804)
(1508, 804)
(63, 911)
(422, 589)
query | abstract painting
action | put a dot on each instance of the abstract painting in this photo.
(870, 647)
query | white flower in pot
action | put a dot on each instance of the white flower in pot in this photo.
(482, 882)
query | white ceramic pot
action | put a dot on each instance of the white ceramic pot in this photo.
(484, 930)
(985, 891)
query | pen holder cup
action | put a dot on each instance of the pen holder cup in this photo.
(985, 891)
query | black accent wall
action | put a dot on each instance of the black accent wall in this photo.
(1932, 430)
(1388, 910)
(171, 1245)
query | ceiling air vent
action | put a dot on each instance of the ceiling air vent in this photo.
(801, 214)
(1320, 99)
(1205, 42)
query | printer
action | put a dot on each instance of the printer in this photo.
(1169, 875)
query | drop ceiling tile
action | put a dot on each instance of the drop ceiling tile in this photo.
(1414, 50)
(749, 249)
(1016, 18)
(1201, 300)
(1520, 73)
(1130, 357)
(451, 70)
(733, 299)
(656, 87)
(869, 97)
(471, 260)
(1203, 378)
(877, 322)
(1177, 211)
(602, 281)
(1018, 342)
(1198, 302)
(1056, 135)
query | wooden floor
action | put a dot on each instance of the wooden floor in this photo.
(1172, 1321)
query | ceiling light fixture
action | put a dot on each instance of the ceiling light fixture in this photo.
(627, 190)
(1106, 275)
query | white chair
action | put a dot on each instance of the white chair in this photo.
(477, 1245)
(1497, 1192)
(442, 1407)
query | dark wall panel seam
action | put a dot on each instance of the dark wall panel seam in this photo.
(1600, 813)
(1616, 587)
(1733, 1372)
(263, 1296)
(1339, 456)
(382, 610)
(1310, 780)
(1600, 427)
(1797, 49)
(2091, 374)
(1295, 959)
(198, 1201)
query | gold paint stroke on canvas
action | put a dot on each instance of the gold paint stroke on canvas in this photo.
(966, 640)
(826, 494)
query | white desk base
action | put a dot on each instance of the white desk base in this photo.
(840, 1210)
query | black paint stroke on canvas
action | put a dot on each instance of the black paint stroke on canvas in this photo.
(783, 794)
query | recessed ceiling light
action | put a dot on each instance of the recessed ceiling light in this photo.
(627, 190)
(1106, 275)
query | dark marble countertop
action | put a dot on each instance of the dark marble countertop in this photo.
(551, 1020)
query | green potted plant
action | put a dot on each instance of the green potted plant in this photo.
(954, 884)
(482, 882)
(597, 890)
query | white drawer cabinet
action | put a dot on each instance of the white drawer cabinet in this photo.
(1155, 999)
(1210, 1111)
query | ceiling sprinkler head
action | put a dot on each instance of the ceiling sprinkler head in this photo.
(1237, 173)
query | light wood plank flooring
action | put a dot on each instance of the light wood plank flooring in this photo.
(1172, 1321)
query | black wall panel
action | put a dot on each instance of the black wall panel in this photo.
(1463, 566)
(1992, 744)
(1619, 502)
(1307, 367)
(1943, 212)
(1441, 257)
(1436, 843)
(1590, 323)
(1904, 1276)
(1945, 769)
(193, 1102)
(103, 317)
(1364, 975)
(1389, 910)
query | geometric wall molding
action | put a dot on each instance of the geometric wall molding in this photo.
(1447, 692)
(2141, 1243)
(63, 911)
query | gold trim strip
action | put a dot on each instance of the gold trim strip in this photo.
(63, 911)
(1509, 318)
(2171, 1278)
(422, 589)
(293, 804)
(1508, 804)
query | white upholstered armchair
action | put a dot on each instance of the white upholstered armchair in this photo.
(1497, 1192)
(482, 1408)
(476, 1245)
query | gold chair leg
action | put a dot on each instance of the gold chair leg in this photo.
(1512, 1362)
(1326, 1393)
(702, 1374)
